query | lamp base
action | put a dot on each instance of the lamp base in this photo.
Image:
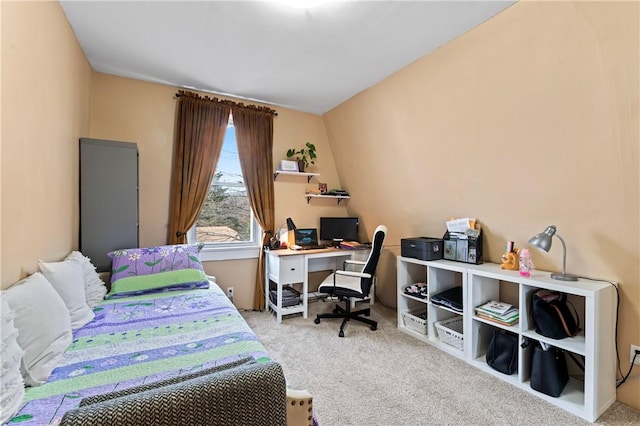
(564, 277)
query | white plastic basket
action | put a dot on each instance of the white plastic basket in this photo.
(450, 332)
(414, 321)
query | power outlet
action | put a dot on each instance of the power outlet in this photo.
(230, 292)
(634, 350)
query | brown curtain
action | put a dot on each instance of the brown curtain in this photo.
(254, 135)
(200, 127)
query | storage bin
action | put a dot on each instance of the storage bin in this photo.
(290, 296)
(450, 332)
(467, 249)
(416, 320)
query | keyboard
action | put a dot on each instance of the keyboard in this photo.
(299, 247)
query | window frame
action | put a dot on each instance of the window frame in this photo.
(212, 251)
(232, 250)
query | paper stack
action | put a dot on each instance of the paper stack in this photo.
(500, 312)
(462, 228)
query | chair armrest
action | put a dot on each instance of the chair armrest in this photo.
(354, 274)
(348, 262)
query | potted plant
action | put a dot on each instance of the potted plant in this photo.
(305, 156)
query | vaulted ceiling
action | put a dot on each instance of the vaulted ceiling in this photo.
(304, 59)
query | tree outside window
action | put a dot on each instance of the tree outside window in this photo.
(226, 217)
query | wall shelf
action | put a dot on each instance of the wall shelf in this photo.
(282, 172)
(338, 198)
(335, 197)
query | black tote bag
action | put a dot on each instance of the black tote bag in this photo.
(553, 317)
(502, 352)
(549, 373)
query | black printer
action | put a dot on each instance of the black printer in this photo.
(423, 248)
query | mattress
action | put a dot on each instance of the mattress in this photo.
(142, 339)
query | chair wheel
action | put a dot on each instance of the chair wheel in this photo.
(341, 334)
(374, 328)
(317, 320)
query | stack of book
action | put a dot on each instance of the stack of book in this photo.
(499, 312)
(351, 245)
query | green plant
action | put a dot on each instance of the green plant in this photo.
(307, 155)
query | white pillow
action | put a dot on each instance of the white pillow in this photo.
(11, 381)
(35, 303)
(67, 278)
(94, 287)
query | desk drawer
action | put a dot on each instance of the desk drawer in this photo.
(286, 269)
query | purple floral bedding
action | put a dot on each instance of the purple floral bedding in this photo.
(141, 339)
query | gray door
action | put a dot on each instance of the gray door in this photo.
(108, 199)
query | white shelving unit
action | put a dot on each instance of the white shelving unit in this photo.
(439, 276)
(587, 394)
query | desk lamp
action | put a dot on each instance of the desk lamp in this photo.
(275, 239)
(291, 238)
(543, 241)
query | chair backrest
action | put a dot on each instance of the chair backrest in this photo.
(372, 261)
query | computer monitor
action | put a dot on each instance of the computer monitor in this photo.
(336, 229)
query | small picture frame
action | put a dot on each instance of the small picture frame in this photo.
(323, 188)
(288, 166)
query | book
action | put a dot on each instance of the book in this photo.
(497, 321)
(351, 245)
(495, 307)
(509, 317)
(504, 317)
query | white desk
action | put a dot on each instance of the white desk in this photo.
(286, 267)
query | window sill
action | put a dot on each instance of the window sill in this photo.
(229, 253)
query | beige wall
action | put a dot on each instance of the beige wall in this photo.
(135, 111)
(45, 109)
(529, 120)
(464, 133)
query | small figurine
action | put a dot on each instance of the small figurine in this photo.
(510, 260)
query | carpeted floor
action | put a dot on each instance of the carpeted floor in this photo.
(387, 378)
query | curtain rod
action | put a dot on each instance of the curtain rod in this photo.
(226, 101)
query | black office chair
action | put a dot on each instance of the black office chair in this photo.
(348, 284)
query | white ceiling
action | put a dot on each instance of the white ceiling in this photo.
(308, 60)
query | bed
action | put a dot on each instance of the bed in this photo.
(187, 345)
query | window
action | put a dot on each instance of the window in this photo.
(226, 223)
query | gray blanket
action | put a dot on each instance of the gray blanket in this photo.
(244, 395)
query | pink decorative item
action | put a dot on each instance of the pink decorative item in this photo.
(525, 263)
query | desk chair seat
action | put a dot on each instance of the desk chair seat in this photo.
(346, 285)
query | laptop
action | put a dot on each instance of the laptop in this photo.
(451, 299)
(307, 238)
